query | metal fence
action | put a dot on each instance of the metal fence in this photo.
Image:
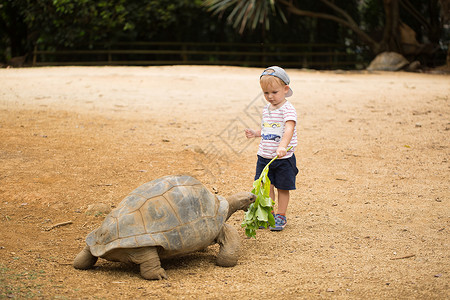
(320, 56)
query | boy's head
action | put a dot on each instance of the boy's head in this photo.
(275, 76)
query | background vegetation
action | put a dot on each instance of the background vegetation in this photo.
(367, 27)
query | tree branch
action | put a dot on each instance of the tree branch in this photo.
(415, 13)
(341, 11)
(305, 13)
(347, 23)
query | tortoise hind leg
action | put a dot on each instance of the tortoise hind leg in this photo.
(229, 242)
(84, 260)
(148, 260)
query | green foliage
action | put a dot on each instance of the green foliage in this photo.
(371, 11)
(246, 13)
(12, 29)
(259, 213)
(360, 24)
(83, 23)
(87, 24)
(67, 23)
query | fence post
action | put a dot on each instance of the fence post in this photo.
(34, 55)
(109, 55)
(263, 60)
(183, 52)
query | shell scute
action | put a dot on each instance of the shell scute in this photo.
(107, 233)
(129, 204)
(191, 202)
(184, 180)
(146, 239)
(131, 225)
(159, 216)
(175, 242)
(152, 189)
(158, 239)
(129, 242)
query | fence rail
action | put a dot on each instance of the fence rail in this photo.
(169, 53)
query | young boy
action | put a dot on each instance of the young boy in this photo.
(278, 133)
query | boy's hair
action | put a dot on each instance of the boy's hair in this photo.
(267, 81)
(275, 76)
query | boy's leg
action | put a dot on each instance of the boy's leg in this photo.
(272, 192)
(280, 217)
(283, 201)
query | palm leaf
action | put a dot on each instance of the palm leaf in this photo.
(246, 13)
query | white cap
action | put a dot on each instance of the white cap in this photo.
(280, 73)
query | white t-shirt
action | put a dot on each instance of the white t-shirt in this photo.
(272, 130)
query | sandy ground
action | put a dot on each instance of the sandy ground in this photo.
(370, 218)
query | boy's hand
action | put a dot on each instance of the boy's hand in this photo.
(281, 151)
(250, 133)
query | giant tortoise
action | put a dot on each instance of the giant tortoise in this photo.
(163, 218)
(388, 61)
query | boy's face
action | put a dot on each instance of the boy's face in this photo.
(275, 94)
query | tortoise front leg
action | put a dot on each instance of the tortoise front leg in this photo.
(148, 260)
(230, 243)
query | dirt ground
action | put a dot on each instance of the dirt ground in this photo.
(370, 218)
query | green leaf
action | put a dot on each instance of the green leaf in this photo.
(249, 215)
(271, 219)
(259, 213)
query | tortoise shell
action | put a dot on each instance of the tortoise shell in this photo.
(176, 213)
(388, 61)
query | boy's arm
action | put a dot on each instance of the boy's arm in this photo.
(286, 139)
(250, 133)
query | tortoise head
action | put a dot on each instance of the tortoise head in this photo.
(240, 201)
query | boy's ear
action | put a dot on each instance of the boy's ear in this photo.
(286, 89)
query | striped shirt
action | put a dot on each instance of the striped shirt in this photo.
(272, 130)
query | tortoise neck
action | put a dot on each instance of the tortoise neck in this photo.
(234, 204)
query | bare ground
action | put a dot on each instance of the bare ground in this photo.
(370, 217)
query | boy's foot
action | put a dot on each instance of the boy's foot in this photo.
(280, 223)
(267, 225)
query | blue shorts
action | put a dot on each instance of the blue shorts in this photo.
(281, 173)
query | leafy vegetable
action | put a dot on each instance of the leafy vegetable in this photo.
(259, 213)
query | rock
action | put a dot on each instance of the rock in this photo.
(98, 208)
(414, 66)
(195, 149)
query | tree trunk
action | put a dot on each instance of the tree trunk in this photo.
(391, 40)
(445, 17)
(344, 19)
(448, 57)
